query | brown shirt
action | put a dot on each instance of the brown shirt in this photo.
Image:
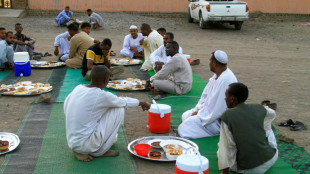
(79, 44)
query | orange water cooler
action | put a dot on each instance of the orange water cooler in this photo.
(188, 57)
(159, 118)
(192, 163)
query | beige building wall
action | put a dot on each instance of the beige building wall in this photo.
(265, 6)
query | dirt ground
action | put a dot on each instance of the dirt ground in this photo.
(270, 55)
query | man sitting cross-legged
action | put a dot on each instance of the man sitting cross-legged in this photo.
(98, 54)
(247, 142)
(176, 76)
(131, 45)
(93, 117)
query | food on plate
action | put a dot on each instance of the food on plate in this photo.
(156, 144)
(21, 93)
(174, 147)
(139, 86)
(4, 145)
(4, 86)
(116, 82)
(21, 89)
(126, 58)
(33, 91)
(4, 90)
(155, 155)
(9, 93)
(129, 79)
(174, 152)
(41, 90)
(11, 89)
(47, 85)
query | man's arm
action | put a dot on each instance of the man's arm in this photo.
(155, 56)
(73, 47)
(227, 151)
(164, 73)
(126, 44)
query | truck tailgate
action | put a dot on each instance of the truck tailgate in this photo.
(227, 9)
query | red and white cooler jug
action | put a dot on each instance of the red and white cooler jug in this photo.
(191, 163)
(159, 118)
(188, 57)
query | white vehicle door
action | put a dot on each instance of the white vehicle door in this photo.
(195, 8)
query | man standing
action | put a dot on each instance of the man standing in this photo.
(20, 44)
(131, 45)
(64, 17)
(79, 43)
(159, 57)
(6, 51)
(93, 117)
(247, 142)
(95, 18)
(2, 33)
(203, 120)
(176, 77)
(153, 41)
(98, 54)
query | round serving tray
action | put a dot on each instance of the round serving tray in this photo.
(163, 158)
(25, 95)
(124, 64)
(38, 66)
(123, 89)
(13, 141)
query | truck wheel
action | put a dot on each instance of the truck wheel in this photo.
(238, 25)
(202, 23)
(189, 17)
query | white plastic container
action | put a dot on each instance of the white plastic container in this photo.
(194, 163)
(21, 57)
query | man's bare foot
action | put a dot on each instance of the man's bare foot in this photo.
(154, 91)
(110, 153)
(83, 157)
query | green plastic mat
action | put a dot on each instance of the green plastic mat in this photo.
(72, 79)
(3, 74)
(56, 157)
(208, 146)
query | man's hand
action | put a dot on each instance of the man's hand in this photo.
(69, 38)
(144, 106)
(56, 51)
(96, 41)
(225, 171)
(148, 85)
(158, 68)
(134, 49)
(195, 113)
(141, 41)
(30, 45)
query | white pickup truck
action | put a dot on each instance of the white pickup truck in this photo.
(223, 11)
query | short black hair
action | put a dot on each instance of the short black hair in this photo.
(89, 10)
(162, 29)
(107, 41)
(146, 26)
(238, 90)
(73, 27)
(17, 24)
(1, 28)
(218, 62)
(171, 35)
(7, 33)
(85, 24)
(174, 45)
(67, 7)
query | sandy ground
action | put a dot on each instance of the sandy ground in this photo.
(270, 55)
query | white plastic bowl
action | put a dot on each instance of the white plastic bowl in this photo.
(174, 142)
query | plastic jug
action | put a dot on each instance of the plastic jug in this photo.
(159, 118)
(191, 164)
(188, 57)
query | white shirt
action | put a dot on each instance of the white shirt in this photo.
(227, 153)
(159, 55)
(131, 42)
(64, 35)
(212, 102)
(83, 108)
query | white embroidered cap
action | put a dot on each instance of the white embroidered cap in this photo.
(133, 27)
(221, 56)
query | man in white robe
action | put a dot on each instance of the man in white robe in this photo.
(203, 120)
(159, 58)
(93, 117)
(153, 41)
(131, 45)
(236, 94)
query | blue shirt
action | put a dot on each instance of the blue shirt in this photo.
(65, 15)
(6, 52)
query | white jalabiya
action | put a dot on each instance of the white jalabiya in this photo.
(210, 107)
(150, 44)
(93, 117)
(62, 41)
(129, 41)
(227, 153)
(159, 55)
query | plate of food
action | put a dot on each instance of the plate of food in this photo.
(159, 153)
(46, 64)
(8, 142)
(125, 61)
(130, 84)
(25, 88)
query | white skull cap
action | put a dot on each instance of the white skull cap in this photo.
(133, 27)
(221, 56)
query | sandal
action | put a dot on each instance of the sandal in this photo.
(287, 123)
(297, 126)
(195, 62)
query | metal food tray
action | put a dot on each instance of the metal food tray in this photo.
(13, 141)
(125, 64)
(145, 140)
(120, 89)
(25, 95)
(34, 66)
